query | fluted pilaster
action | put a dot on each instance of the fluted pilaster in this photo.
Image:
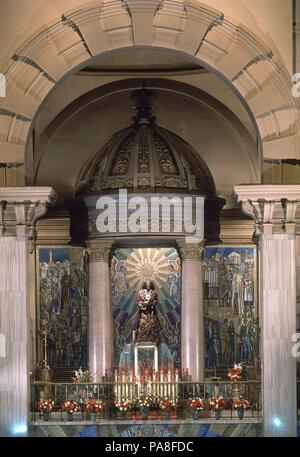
(20, 208)
(274, 210)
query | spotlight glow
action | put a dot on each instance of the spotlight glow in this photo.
(277, 422)
(19, 429)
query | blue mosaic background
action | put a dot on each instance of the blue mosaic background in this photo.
(130, 267)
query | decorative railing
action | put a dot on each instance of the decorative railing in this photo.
(109, 393)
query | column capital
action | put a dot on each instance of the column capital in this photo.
(99, 250)
(274, 208)
(190, 251)
(21, 207)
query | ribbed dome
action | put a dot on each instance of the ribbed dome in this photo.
(146, 158)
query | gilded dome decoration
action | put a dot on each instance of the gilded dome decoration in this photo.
(121, 160)
(146, 157)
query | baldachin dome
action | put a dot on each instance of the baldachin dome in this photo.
(146, 158)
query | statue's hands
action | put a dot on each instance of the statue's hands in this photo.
(143, 305)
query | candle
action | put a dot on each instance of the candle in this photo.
(172, 387)
(130, 390)
(161, 379)
(176, 381)
(154, 383)
(119, 392)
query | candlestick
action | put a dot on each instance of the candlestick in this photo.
(120, 387)
(172, 387)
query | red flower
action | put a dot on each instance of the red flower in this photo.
(46, 405)
(94, 405)
(216, 403)
(69, 405)
(241, 403)
(235, 374)
(195, 403)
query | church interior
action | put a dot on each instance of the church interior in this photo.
(125, 323)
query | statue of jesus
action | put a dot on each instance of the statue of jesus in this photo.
(148, 326)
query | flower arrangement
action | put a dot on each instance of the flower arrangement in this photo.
(195, 403)
(82, 376)
(241, 403)
(216, 403)
(123, 405)
(166, 403)
(235, 373)
(94, 405)
(69, 406)
(145, 402)
(46, 405)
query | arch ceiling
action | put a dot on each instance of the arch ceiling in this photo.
(89, 98)
(77, 37)
(66, 144)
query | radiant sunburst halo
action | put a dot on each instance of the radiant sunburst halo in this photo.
(147, 264)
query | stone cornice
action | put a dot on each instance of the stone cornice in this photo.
(21, 207)
(271, 192)
(28, 194)
(274, 208)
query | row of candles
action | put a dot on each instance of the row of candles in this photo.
(161, 375)
(148, 382)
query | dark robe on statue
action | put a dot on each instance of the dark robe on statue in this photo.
(148, 325)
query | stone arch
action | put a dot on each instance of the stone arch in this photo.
(201, 32)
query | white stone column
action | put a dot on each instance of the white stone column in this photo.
(297, 41)
(100, 310)
(274, 210)
(298, 282)
(192, 330)
(20, 208)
